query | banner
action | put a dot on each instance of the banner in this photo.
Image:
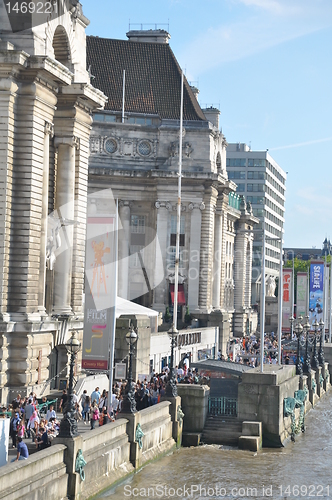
(100, 296)
(316, 294)
(301, 294)
(287, 275)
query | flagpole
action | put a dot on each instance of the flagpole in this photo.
(330, 312)
(280, 293)
(123, 95)
(178, 220)
(113, 310)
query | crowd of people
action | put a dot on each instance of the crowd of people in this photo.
(32, 420)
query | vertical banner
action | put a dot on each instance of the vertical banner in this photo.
(286, 298)
(100, 294)
(301, 294)
(316, 291)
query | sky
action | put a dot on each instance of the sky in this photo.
(266, 64)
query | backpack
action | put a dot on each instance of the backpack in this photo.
(95, 415)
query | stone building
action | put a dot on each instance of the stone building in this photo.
(136, 154)
(46, 105)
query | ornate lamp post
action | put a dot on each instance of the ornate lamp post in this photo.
(129, 402)
(321, 359)
(314, 361)
(68, 424)
(298, 331)
(306, 328)
(171, 389)
(291, 320)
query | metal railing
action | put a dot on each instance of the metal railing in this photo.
(223, 406)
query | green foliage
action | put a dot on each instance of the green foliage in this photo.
(167, 316)
(187, 316)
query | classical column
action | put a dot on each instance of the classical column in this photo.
(124, 249)
(223, 203)
(161, 258)
(207, 246)
(64, 204)
(194, 254)
(49, 132)
(217, 260)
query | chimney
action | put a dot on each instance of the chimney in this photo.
(212, 115)
(152, 36)
(195, 91)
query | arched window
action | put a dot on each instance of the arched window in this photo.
(61, 47)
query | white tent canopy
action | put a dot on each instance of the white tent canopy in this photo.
(124, 306)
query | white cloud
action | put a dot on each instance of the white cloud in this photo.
(263, 24)
(301, 144)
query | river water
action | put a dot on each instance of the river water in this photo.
(299, 470)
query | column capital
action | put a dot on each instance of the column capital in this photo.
(71, 141)
(125, 203)
(200, 206)
(49, 129)
(163, 204)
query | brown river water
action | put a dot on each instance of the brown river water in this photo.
(299, 470)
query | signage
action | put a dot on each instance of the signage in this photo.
(316, 293)
(99, 291)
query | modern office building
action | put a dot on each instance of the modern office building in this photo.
(262, 181)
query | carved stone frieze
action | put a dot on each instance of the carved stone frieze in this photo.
(115, 146)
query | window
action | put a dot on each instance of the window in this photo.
(237, 174)
(241, 188)
(235, 162)
(137, 227)
(254, 174)
(255, 187)
(138, 224)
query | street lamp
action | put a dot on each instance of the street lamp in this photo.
(314, 361)
(306, 365)
(68, 424)
(298, 331)
(291, 320)
(321, 344)
(171, 389)
(129, 402)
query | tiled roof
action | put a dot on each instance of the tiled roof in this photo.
(153, 78)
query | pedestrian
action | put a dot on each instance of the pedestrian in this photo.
(95, 396)
(29, 409)
(86, 409)
(14, 423)
(94, 413)
(22, 451)
(63, 400)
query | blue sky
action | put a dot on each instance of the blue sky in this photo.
(267, 63)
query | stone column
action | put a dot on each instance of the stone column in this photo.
(207, 243)
(217, 260)
(194, 254)
(223, 203)
(64, 204)
(160, 263)
(124, 249)
(49, 132)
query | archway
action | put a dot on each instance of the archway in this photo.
(61, 47)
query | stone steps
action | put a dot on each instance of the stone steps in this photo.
(222, 430)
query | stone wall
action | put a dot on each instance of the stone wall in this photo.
(194, 404)
(42, 476)
(261, 399)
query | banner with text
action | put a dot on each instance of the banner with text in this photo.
(316, 295)
(287, 281)
(301, 294)
(100, 296)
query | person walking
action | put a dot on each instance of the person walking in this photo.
(94, 413)
(86, 409)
